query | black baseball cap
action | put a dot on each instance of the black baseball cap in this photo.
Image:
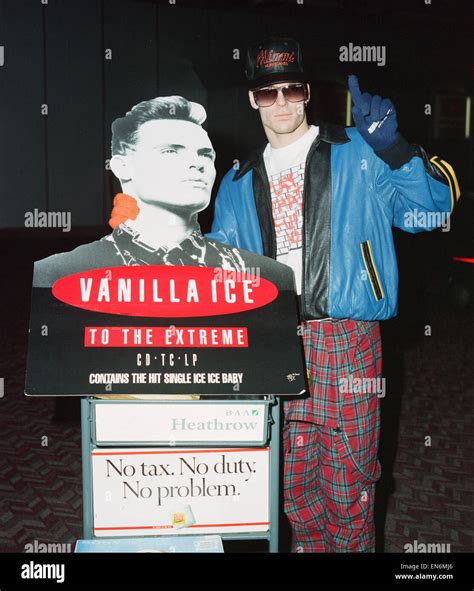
(277, 59)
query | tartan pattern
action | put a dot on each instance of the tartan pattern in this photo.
(330, 442)
(334, 350)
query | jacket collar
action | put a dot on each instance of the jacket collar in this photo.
(328, 132)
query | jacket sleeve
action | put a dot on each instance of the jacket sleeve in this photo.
(423, 188)
(224, 222)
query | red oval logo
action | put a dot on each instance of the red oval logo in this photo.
(165, 291)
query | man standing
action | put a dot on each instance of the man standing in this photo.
(323, 199)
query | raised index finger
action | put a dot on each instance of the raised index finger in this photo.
(354, 88)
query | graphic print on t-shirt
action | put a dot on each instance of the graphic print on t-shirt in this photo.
(287, 199)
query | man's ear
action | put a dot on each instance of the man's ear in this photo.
(252, 100)
(121, 167)
(309, 94)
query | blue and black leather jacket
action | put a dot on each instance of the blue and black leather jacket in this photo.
(352, 197)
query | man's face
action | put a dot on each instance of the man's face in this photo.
(283, 116)
(172, 164)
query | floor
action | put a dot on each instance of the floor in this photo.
(424, 495)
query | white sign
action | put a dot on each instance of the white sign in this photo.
(193, 422)
(148, 492)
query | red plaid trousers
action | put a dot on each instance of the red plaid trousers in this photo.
(330, 439)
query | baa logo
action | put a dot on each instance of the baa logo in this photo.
(242, 413)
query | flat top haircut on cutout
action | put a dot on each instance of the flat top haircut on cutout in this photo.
(125, 129)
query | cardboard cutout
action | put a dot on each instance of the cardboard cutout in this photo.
(155, 307)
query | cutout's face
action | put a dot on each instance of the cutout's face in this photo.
(172, 164)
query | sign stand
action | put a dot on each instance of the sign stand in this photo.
(91, 442)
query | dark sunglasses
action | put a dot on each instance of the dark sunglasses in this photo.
(266, 97)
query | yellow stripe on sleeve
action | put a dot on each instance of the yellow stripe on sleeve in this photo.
(455, 180)
(450, 182)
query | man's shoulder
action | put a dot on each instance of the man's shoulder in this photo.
(353, 147)
(356, 140)
(242, 167)
(83, 258)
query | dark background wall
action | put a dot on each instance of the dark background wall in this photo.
(55, 54)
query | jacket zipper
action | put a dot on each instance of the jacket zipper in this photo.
(371, 270)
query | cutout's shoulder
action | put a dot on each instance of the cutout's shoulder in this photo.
(97, 254)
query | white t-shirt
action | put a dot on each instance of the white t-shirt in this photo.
(285, 170)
